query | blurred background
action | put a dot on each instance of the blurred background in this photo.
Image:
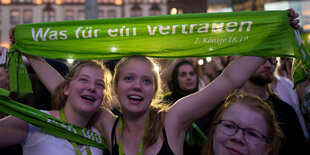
(13, 12)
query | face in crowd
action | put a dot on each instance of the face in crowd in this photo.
(137, 84)
(187, 78)
(264, 74)
(241, 131)
(244, 125)
(86, 87)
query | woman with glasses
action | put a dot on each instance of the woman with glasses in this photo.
(245, 125)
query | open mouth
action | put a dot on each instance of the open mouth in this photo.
(89, 98)
(135, 98)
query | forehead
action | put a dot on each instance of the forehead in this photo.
(90, 71)
(136, 64)
(186, 67)
(245, 117)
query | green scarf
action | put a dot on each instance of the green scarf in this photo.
(256, 33)
(49, 123)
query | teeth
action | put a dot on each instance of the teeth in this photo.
(137, 98)
(88, 98)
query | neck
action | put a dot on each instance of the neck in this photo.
(135, 123)
(273, 84)
(76, 118)
(258, 90)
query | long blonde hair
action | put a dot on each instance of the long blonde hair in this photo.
(274, 134)
(157, 108)
(59, 98)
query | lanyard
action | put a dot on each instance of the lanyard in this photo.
(77, 150)
(121, 126)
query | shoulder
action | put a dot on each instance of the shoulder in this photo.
(277, 103)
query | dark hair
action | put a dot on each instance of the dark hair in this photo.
(174, 82)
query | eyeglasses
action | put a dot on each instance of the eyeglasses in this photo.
(251, 136)
(272, 61)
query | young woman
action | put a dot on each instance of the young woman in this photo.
(184, 81)
(79, 96)
(244, 124)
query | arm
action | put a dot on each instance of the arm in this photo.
(188, 109)
(167, 71)
(103, 121)
(192, 107)
(12, 131)
(47, 74)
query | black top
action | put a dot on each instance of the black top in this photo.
(294, 142)
(165, 148)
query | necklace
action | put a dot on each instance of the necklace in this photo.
(76, 149)
(121, 126)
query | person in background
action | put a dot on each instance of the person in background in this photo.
(166, 72)
(183, 81)
(295, 142)
(284, 88)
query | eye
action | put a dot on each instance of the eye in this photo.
(192, 73)
(147, 81)
(183, 74)
(83, 79)
(100, 85)
(128, 78)
(252, 133)
(229, 126)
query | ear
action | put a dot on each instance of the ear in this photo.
(268, 149)
(66, 90)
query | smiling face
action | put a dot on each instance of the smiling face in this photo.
(135, 86)
(244, 117)
(187, 78)
(85, 91)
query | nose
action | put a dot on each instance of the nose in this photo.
(137, 85)
(188, 77)
(91, 87)
(238, 137)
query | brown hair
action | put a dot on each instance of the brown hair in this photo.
(274, 134)
(59, 98)
(157, 108)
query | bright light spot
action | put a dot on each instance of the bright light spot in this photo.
(208, 59)
(118, 2)
(6, 1)
(70, 61)
(180, 11)
(58, 2)
(200, 62)
(156, 68)
(38, 2)
(113, 49)
(173, 11)
(6, 45)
